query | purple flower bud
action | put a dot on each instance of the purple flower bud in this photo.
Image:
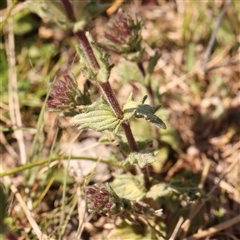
(99, 200)
(64, 94)
(124, 35)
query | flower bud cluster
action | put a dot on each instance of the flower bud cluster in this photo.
(99, 200)
(124, 36)
(65, 95)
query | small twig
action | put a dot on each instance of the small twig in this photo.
(8, 147)
(116, 4)
(176, 229)
(213, 36)
(215, 229)
(6, 13)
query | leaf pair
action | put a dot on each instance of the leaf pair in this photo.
(99, 116)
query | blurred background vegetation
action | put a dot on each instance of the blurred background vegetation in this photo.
(200, 99)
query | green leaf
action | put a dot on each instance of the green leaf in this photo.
(181, 190)
(160, 190)
(101, 74)
(127, 231)
(161, 156)
(170, 137)
(129, 186)
(97, 116)
(147, 112)
(152, 63)
(105, 67)
(52, 10)
(142, 158)
(24, 22)
(190, 57)
(135, 56)
(128, 72)
(139, 110)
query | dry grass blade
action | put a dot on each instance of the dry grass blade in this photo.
(211, 42)
(28, 214)
(14, 105)
(215, 229)
(197, 207)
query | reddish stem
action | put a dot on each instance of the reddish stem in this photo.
(83, 41)
(69, 10)
(111, 98)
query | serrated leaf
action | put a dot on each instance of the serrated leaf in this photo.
(97, 116)
(142, 158)
(139, 110)
(129, 186)
(147, 112)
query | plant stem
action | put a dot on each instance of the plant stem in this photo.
(83, 41)
(112, 101)
(111, 98)
(69, 10)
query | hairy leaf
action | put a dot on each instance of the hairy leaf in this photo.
(140, 110)
(129, 186)
(128, 72)
(97, 116)
(142, 158)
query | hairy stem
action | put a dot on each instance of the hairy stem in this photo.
(112, 101)
(69, 10)
(83, 41)
(111, 98)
